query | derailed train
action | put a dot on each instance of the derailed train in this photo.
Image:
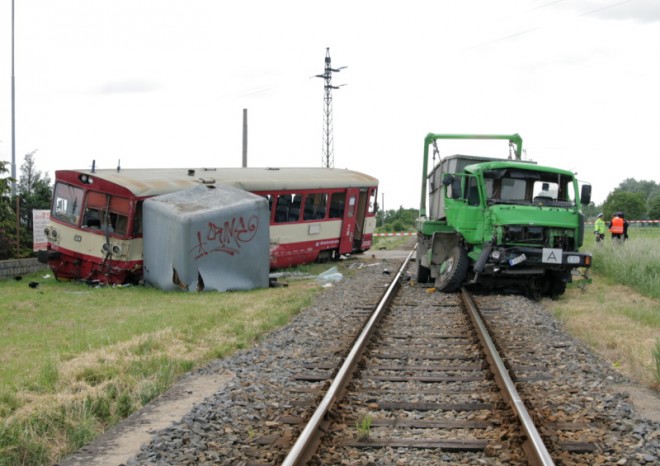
(96, 224)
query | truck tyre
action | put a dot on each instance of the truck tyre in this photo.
(452, 271)
(557, 287)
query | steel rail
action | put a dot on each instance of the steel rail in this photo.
(537, 453)
(299, 452)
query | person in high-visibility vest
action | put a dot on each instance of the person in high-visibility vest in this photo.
(599, 228)
(616, 226)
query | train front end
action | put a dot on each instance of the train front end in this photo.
(93, 234)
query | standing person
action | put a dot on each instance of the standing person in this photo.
(616, 226)
(600, 228)
(625, 226)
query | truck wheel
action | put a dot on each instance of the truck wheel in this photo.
(452, 271)
(557, 288)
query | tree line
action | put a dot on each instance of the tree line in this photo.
(33, 191)
(638, 200)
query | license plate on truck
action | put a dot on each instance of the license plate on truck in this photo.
(517, 260)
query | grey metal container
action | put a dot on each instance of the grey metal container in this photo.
(209, 237)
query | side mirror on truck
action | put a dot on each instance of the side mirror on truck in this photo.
(585, 194)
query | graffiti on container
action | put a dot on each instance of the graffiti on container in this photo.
(226, 238)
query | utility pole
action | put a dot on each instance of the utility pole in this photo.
(245, 137)
(328, 142)
(14, 189)
(13, 108)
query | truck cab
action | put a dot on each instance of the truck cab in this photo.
(500, 222)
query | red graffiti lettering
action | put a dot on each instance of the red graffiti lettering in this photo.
(227, 238)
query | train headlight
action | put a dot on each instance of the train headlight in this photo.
(53, 233)
(116, 249)
(47, 232)
(106, 247)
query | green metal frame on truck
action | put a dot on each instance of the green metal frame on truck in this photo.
(499, 222)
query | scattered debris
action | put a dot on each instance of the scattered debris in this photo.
(92, 283)
(273, 283)
(18, 278)
(33, 284)
(290, 275)
(330, 275)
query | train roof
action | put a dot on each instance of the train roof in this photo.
(144, 182)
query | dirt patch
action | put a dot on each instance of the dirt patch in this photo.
(645, 401)
(123, 441)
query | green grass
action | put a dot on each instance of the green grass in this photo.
(392, 242)
(634, 263)
(618, 314)
(76, 359)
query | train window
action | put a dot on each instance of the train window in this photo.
(67, 202)
(137, 221)
(269, 198)
(315, 206)
(288, 208)
(119, 222)
(351, 205)
(100, 219)
(92, 218)
(337, 202)
(112, 220)
(372, 200)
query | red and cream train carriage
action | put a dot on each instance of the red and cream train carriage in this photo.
(95, 230)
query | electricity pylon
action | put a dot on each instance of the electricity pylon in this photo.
(328, 141)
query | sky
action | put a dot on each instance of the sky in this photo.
(163, 83)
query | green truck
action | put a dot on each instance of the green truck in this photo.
(499, 222)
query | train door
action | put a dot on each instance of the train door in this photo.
(349, 224)
(360, 215)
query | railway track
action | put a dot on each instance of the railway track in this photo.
(417, 389)
(424, 383)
